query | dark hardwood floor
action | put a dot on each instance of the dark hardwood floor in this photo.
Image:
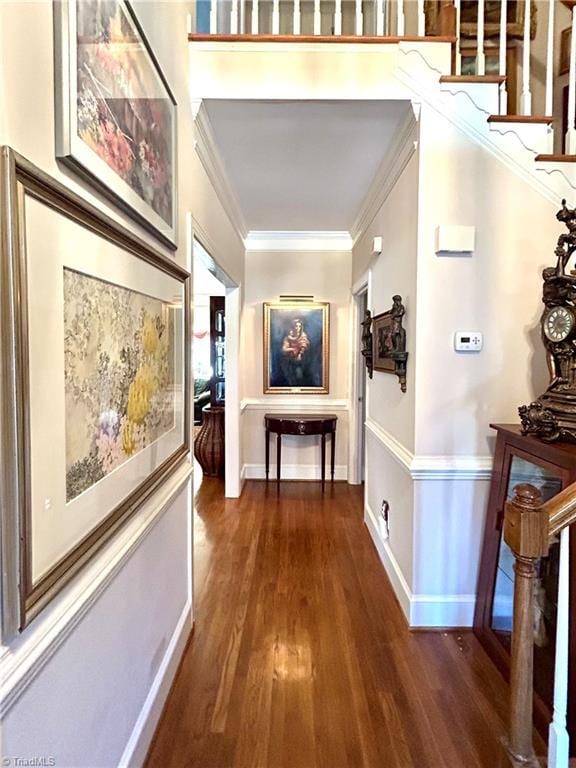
(301, 657)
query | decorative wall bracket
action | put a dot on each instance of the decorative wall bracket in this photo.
(367, 342)
(389, 342)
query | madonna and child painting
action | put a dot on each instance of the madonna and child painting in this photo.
(296, 347)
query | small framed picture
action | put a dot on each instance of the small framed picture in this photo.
(296, 347)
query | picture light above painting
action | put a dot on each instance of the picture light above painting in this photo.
(116, 122)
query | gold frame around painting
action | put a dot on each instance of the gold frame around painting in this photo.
(28, 195)
(292, 308)
(135, 174)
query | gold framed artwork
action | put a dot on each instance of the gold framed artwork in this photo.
(116, 121)
(565, 40)
(469, 18)
(296, 347)
(95, 346)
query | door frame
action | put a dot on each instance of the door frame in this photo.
(356, 437)
(233, 309)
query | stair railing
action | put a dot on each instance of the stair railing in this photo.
(529, 527)
(537, 29)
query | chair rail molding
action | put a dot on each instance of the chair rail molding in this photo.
(23, 660)
(423, 467)
(207, 151)
(305, 403)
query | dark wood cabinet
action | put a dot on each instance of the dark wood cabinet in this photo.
(218, 350)
(550, 467)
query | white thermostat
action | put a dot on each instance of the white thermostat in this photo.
(467, 341)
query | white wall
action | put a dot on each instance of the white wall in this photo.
(326, 275)
(85, 681)
(437, 437)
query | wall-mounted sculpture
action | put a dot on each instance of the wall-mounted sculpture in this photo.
(389, 342)
(367, 349)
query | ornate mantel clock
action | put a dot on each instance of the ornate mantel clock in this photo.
(553, 415)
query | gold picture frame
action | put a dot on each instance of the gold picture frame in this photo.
(47, 536)
(296, 347)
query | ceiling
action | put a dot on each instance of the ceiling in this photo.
(301, 166)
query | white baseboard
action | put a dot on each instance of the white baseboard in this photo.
(141, 737)
(293, 472)
(420, 610)
(399, 584)
(442, 610)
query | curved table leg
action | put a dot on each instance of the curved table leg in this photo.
(333, 450)
(278, 459)
(323, 469)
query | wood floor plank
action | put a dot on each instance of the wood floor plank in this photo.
(302, 658)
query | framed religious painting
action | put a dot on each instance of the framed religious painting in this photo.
(115, 114)
(296, 347)
(515, 14)
(95, 397)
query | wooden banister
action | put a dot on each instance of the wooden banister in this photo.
(561, 510)
(529, 527)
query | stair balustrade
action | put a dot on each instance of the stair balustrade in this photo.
(532, 40)
(529, 527)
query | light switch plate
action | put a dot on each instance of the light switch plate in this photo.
(468, 341)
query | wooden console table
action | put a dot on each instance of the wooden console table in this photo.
(300, 424)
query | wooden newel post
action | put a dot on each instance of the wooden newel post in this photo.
(526, 533)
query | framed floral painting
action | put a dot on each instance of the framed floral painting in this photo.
(296, 347)
(115, 114)
(96, 344)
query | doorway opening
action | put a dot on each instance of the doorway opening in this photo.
(215, 371)
(357, 462)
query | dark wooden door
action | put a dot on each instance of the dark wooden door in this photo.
(218, 350)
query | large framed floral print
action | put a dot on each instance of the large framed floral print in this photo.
(115, 114)
(95, 393)
(296, 347)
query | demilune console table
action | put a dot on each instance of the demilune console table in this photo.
(300, 424)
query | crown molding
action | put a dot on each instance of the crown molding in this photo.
(388, 173)
(298, 241)
(207, 151)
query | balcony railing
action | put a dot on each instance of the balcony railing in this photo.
(530, 43)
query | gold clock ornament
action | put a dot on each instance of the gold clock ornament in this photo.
(553, 415)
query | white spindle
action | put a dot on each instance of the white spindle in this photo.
(338, 18)
(559, 741)
(242, 21)
(526, 100)
(549, 105)
(379, 17)
(480, 55)
(421, 19)
(571, 132)
(234, 18)
(400, 22)
(503, 57)
(458, 55)
(359, 19)
(317, 18)
(296, 18)
(213, 17)
(276, 17)
(255, 14)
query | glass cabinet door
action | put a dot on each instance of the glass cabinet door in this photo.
(546, 589)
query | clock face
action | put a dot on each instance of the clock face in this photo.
(558, 323)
